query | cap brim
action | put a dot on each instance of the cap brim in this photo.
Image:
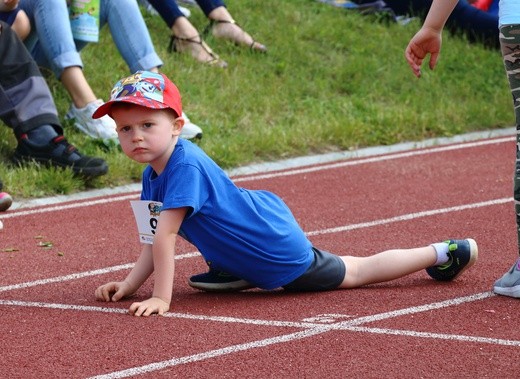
(142, 102)
(102, 110)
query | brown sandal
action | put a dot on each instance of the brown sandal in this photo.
(254, 46)
(215, 59)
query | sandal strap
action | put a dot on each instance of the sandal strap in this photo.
(213, 22)
(172, 47)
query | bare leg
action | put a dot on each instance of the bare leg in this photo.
(226, 28)
(76, 84)
(388, 265)
(21, 25)
(189, 40)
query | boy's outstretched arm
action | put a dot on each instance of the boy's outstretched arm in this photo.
(428, 39)
(115, 291)
(163, 252)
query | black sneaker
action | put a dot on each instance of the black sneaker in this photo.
(462, 255)
(218, 281)
(59, 153)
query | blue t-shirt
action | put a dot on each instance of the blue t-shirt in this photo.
(249, 234)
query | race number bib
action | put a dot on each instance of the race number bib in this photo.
(146, 215)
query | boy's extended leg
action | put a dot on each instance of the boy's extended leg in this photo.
(443, 261)
(509, 284)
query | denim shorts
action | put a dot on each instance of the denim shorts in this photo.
(326, 272)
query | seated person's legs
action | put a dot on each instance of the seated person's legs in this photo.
(27, 107)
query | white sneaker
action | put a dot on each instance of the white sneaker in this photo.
(185, 11)
(190, 130)
(103, 128)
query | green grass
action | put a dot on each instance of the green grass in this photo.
(332, 80)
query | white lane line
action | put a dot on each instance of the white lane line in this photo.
(212, 354)
(414, 309)
(434, 150)
(350, 324)
(188, 316)
(62, 207)
(352, 162)
(450, 337)
(84, 274)
(411, 216)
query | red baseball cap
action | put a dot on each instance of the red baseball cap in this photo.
(145, 88)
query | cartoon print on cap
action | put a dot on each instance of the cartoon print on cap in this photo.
(147, 85)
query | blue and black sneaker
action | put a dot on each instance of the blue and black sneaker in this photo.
(218, 281)
(462, 255)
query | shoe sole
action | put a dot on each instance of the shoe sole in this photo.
(239, 285)
(85, 172)
(508, 291)
(473, 255)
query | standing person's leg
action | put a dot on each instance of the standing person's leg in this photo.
(509, 284)
(51, 44)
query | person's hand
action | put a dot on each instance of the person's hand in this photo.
(426, 41)
(113, 291)
(153, 305)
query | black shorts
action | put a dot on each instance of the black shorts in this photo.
(326, 272)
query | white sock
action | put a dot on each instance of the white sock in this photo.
(442, 253)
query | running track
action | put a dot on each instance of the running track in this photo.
(53, 256)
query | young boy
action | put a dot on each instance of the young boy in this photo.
(252, 235)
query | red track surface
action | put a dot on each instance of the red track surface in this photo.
(52, 327)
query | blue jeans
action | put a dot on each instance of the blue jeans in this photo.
(51, 43)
